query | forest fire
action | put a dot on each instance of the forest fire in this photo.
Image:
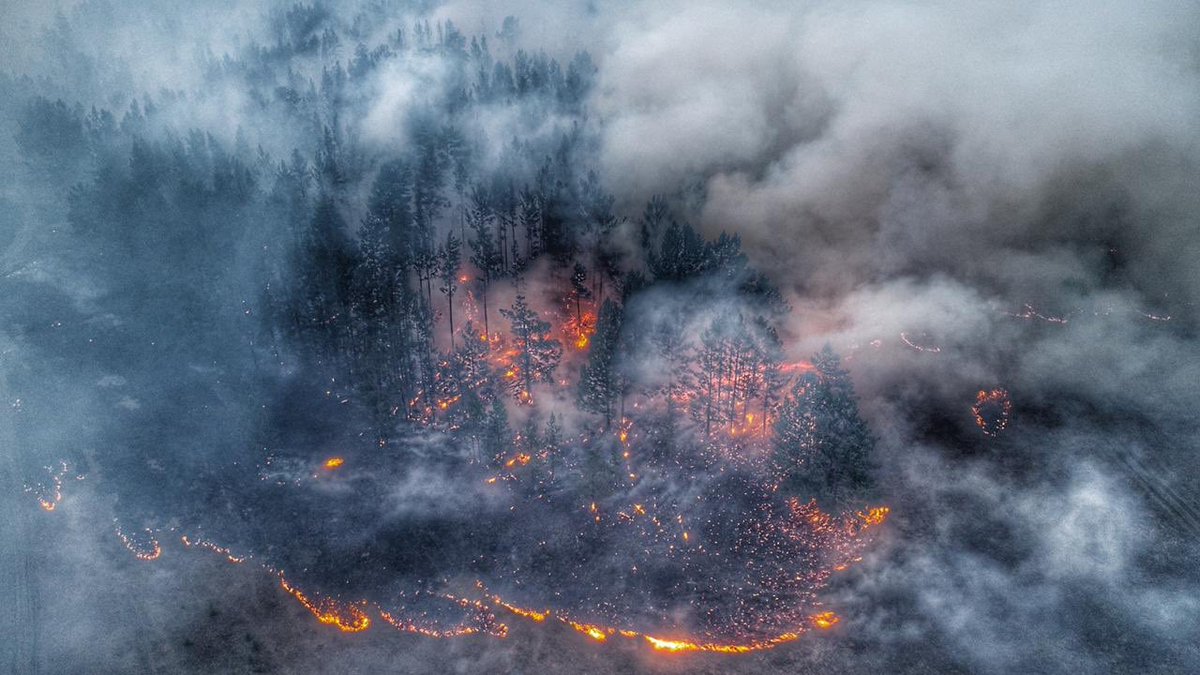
(346, 617)
(992, 411)
(579, 329)
(834, 535)
(920, 346)
(825, 620)
(49, 498)
(219, 550)
(144, 548)
(333, 463)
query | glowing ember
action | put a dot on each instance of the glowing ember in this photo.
(346, 617)
(49, 498)
(208, 545)
(143, 545)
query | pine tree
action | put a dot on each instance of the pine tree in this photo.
(580, 290)
(450, 259)
(552, 442)
(497, 437)
(484, 253)
(389, 209)
(530, 210)
(822, 445)
(599, 381)
(537, 353)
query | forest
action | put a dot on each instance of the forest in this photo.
(457, 301)
(607, 337)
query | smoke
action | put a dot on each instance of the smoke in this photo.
(955, 197)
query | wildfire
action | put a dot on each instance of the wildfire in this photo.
(333, 463)
(1028, 312)
(520, 459)
(142, 550)
(992, 411)
(578, 329)
(825, 620)
(599, 633)
(798, 367)
(346, 617)
(49, 499)
(875, 516)
(932, 349)
(353, 617)
(208, 545)
(411, 627)
(538, 617)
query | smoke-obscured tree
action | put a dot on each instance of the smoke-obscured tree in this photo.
(390, 206)
(497, 437)
(579, 289)
(552, 444)
(530, 214)
(770, 369)
(599, 380)
(680, 254)
(485, 255)
(822, 446)
(326, 267)
(537, 353)
(448, 262)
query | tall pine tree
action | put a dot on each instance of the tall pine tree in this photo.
(537, 353)
(822, 446)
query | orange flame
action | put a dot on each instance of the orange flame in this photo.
(825, 620)
(346, 617)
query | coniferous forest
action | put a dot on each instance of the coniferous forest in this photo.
(508, 340)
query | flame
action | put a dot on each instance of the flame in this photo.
(825, 620)
(143, 553)
(597, 633)
(798, 367)
(346, 617)
(521, 459)
(50, 498)
(875, 516)
(333, 463)
(996, 401)
(220, 550)
(352, 617)
(538, 617)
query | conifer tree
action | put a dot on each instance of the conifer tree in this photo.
(537, 353)
(822, 445)
(450, 259)
(599, 382)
